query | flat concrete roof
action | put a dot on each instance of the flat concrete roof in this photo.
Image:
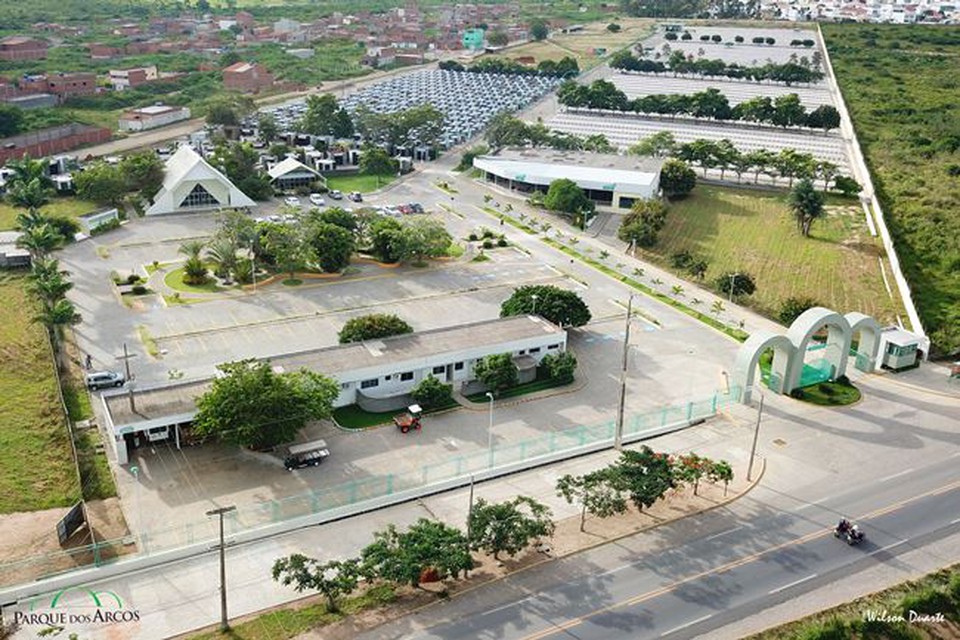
(171, 403)
(598, 171)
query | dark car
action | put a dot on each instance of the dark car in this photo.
(307, 459)
(355, 196)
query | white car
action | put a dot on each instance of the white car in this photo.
(316, 200)
(292, 201)
(336, 195)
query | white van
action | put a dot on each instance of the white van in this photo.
(100, 379)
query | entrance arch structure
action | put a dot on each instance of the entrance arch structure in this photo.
(868, 347)
(838, 342)
(748, 358)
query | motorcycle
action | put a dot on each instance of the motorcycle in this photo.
(851, 534)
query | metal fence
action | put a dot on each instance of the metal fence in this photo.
(506, 458)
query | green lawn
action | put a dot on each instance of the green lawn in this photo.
(905, 110)
(830, 394)
(520, 390)
(36, 464)
(753, 231)
(174, 280)
(357, 182)
(68, 207)
(353, 417)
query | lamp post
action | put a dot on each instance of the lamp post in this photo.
(490, 432)
(756, 434)
(224, 625)
(135, 470)
(733, 280)
(534, 312)
(618, 434)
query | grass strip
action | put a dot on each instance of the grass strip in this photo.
(353, 417)
(509, 220)
(737, 334)
(519, 390)
(148, 342)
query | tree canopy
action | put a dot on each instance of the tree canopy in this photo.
(642, 225)
(677, 179)
(806, 203)
(101, 182)
(508, 527)
(251, 405)
(562, 307)
(402, 557)
(334, 579)
(496, 371)
(566, 197)
(373, 326)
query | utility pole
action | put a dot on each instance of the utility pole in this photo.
(733, 279)
(618, 434)
(126, 363)
(756, 434)
(224, 625)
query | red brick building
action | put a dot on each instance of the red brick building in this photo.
(66, 85)
(22, 48)
(248, 77)
(48, 142)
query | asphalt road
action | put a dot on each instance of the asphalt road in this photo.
(704, 572)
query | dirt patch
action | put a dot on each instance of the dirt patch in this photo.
(30, 548)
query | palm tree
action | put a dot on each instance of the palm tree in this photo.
(30, 218)
(806, 203)
(191, 248)
(46, 268)
(56, 318)
(32, 194)
(40, 240)
(27, 169)
(50, 289)
(717, 308)
(223, 252)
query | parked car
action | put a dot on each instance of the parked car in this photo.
(292, 201)
(308, 454)
(100, 379)
(336, 195)
(316, 200)
(355, 196)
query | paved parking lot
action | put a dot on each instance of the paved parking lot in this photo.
(744, 53)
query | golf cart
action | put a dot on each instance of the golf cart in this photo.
(409, 419)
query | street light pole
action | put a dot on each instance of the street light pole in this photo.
(534, 312)
(224, 625)
(490, 432)
(756, 434)
(135, 470)
(618, 434)
(126, 364)
(733, 278)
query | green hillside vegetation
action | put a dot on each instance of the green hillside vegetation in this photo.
(902, 96)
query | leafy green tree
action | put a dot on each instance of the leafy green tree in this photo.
(101, 182)
(806, 204)
(192, 248)
(373, 326)
(48, 284)
(644, 475)
(562, 307)
(336, 216)
(847, 185)
(334, 579)
(566, 197)
(539, 29)
(29, 193)
(658, 145)
(422, 238)
(498, 38)
(496, 371)
(677, 179)
(194, 271)
(736, 284)
(508, 527)
(560, 366)
(385, 238)
(332, 245)
(224, 254)
(720, 471)
(824, 117)
(788, 111)
(613, 27)
(319, 118)
(431, 393)
(228, 111)
(791, 308)
(287, 247)
(643, 224)
(240, 162)
(251, 405)
(375, 161)
(504, 130)
(403, 557)
(143, 172)
(267, 127)
(466, 161)
(11, 120)
(698, 268)
(691, 468)
(236, 227)
(598, 494)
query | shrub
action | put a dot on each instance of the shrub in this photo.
(686, 36)
(926, 601)
(431, 393)
(501, 242)
(832, 629)
(681, 259)
(487, 233)
(488, 244)
(133, 278)
(738, 39)
(110, 225)
(472, 237)
(670, 36)
(139, 290)
(791, 308)
(704, 38)
(373, 326)
(716, 38)
(559, 366)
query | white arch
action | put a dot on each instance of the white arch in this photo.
(803, 328)
(869, 345)
(749, 355)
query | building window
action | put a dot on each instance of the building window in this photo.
(366, 384)
(199, 197)
(553, 346)
(344, 386)
(458, 366)
(406, 375)
(521, 352)
(535, 350)
(439, 370)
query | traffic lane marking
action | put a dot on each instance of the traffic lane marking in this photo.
(726, 567)
(792, 584)
(687, 625)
